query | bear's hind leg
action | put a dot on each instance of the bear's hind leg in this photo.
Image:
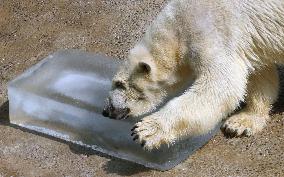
(262, 92)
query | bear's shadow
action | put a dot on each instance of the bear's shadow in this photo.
(115, 165)
(278, 106)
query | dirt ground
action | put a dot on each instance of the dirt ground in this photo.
(32, 29)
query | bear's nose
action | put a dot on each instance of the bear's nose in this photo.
(119, 113)
(108, 109)
(105, 113)
(116, 113)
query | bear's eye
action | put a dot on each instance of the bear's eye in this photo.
(135, 87)
(119, 85)
(144, 68)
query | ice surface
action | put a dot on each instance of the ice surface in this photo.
(63, 96)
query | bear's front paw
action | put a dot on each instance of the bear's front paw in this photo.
(150, 133)
(244, 124)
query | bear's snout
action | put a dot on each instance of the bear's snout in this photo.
(115, 107)
(116, 114)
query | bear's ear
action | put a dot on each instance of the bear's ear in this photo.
(144, 67)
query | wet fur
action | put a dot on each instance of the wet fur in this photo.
(224, 50)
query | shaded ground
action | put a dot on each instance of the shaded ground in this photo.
(30, 30)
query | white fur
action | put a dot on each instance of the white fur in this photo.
(230, 45)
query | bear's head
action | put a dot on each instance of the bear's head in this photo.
(143, 83)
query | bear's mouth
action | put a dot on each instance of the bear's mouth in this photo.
(118, 115)
(121, 117)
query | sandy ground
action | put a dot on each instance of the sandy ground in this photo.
(30, 30)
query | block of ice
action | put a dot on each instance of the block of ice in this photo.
(63, 96)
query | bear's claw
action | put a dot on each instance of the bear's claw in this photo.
(243, 125)
(134, 128)
(149, 133)
(136, 137)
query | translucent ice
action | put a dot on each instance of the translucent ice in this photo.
(63, 96)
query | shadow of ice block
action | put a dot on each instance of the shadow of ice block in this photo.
(63, 96)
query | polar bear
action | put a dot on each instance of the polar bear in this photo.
(195, 64)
